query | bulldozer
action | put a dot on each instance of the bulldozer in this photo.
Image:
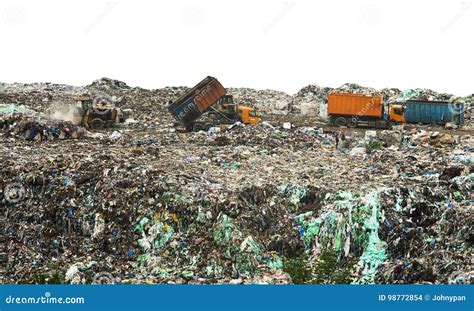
(97, 113)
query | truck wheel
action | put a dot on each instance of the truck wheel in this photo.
(197, 127)
(207, 127)
(341, 121)
(97, 123)
(351, 123)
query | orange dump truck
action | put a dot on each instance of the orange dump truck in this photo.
(206, 105)
(354, 110)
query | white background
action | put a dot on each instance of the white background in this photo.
(282, 45)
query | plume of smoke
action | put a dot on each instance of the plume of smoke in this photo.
(64, 112)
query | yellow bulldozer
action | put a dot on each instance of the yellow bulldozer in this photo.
(97, 113)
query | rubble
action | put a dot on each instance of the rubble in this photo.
(146, 203)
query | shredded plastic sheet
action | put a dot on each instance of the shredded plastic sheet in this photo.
(157, 235)
(224, 230)
(274, 262)
(464, 182)
(214, 270)
(294, 192)
(374, 254)
(308, 228)
(246, 255)
(351, 220)
(409, 94)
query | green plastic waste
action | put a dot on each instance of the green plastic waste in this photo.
(223, 232)
(410, 94)
(294, 192)
(244, 255)
(166, 233)
(157, 234)
(275, 262)
(214, 270)
(349, 222)
(187, 274)
(11, 109)
(142, 224)
(374, 254)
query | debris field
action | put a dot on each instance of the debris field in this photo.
(273, 203)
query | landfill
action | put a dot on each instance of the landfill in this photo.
(289, 200)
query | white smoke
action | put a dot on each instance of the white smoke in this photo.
(64, 112)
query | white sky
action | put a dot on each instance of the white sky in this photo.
(277, 44)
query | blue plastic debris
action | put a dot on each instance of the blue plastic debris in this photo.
(388, 224)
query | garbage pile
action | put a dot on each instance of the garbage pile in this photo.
(18, 122)
(40, 96)
(266, 101)
(315, 96)
(255, 204)
(152, 103)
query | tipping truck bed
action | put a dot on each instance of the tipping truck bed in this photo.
(191, 105)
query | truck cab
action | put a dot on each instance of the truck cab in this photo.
(83, 104)
(396, 113)
(247, 115)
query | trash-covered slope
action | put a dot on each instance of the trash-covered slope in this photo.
(237, 207)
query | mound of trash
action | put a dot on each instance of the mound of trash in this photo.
(151, 104)
(255, 204)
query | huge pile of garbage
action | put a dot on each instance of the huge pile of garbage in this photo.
(309, 101)
(39, 97)
(255, 204)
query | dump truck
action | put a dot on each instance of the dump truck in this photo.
(354, 110)
(206, 105)
(369, 110)
(97, 113)
(432, 112)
